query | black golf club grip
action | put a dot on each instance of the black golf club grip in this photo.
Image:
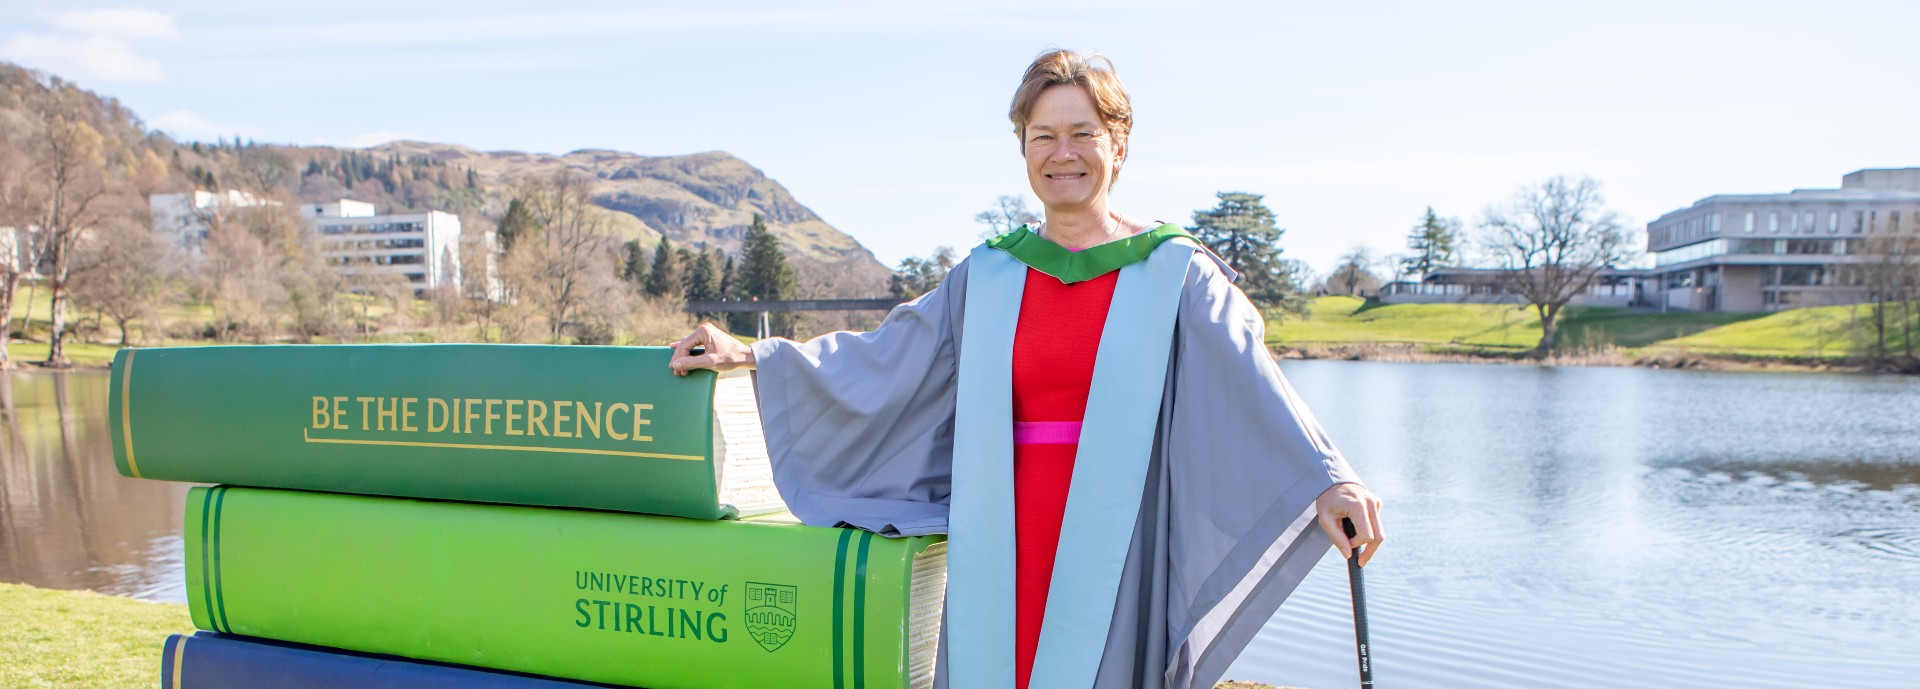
(1358, 585)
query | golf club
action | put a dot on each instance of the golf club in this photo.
(1358, 584)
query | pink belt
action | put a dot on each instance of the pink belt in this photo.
(1046, 432)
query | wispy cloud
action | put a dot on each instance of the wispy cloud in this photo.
(93, 45)
(124, 22)
(538, 23)
(186, 124)
(82, 58)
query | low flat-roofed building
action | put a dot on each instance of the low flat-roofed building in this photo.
(1494, 286)
(1764, 252)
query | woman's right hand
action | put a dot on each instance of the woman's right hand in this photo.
(723, 352)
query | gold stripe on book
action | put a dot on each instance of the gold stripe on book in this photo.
(523, 448)
(179, 660)
(126, 422)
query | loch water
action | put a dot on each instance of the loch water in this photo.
(1547, 527)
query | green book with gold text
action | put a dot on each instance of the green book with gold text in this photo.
(597, 427)
(650, 601)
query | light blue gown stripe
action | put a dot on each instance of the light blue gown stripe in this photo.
(1110, 468)
(980, 548)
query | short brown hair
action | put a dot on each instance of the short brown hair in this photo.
(1092, 72)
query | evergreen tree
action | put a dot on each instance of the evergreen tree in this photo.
(473, 180)
(737, 322)
(633, 268)
(664, 278)
(516, 223)
(917, 276)
(1433, 241)
(1241, 230)
(765, 275)
(701, 280)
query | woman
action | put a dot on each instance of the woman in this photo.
(1088, 408)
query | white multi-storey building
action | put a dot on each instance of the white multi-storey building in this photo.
(188, 217)
(1763, 252)
(421, 248)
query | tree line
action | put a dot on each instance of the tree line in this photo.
(77, 171)
(1547, 244)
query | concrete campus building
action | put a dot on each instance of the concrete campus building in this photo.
(1733, 252)
(420, 248)
(1765, 252)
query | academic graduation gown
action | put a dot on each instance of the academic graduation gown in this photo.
(1190, 514)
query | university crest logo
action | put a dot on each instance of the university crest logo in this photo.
(771, 619)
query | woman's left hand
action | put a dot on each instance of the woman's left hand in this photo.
(723, 352)
(1351, 501)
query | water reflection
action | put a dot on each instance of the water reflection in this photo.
(1591, 527)
(67, 518)
(1548, 527)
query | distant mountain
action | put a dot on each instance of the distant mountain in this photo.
(704, 199)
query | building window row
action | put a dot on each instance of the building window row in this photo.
(395, 260)
(1760, 247)
(372, 228)
(375, 244)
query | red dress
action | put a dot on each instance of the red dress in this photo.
(1053, 353)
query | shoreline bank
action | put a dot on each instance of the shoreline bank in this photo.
(1405, 352)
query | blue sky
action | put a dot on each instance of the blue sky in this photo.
(888, 118)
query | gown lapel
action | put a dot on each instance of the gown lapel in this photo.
(1109, 473)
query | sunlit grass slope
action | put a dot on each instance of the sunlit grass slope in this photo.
(1814, 332)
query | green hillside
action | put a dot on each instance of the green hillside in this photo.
(1816, 333)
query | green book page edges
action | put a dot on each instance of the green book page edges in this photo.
(597, 427)
(658, 602)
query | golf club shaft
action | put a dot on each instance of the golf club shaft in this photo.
(1358, 585)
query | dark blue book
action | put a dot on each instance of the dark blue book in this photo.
(222, 661)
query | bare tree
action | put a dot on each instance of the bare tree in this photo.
(1006, 214)
(130, 273)
(263, 171)
(240, 278)
(1355, 273)
(1553, 240)
(573, 257)
(1887, 326)
(16, 248)
(80, 182)
(315, 293)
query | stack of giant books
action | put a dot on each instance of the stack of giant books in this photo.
(502, 516)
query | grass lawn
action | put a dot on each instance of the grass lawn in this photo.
(1590, 328)
(54, 638)
(51, 638)
(1811, 333)
(80, 353)
(1349, 319)
(1820, 332)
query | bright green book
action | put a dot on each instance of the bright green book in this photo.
(598, 427)
(657, 602)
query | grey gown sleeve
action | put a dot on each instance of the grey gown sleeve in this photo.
(860, 425)
(1245, 460)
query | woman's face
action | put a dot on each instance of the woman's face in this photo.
(1071, 156)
